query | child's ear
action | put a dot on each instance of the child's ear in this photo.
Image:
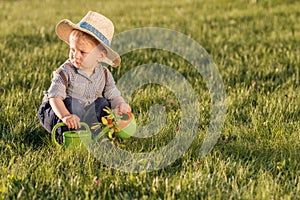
(102, 55)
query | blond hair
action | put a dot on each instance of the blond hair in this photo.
(77, 34)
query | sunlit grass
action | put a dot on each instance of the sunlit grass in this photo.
(256, 47)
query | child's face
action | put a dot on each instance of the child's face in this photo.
(83, 53)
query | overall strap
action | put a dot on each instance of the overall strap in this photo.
(105, 74)
(63, 76)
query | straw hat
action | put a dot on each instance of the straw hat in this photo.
(96, 25)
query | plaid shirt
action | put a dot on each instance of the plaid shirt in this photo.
(82, 87)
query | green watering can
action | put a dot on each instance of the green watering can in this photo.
(73, 138)
(127, 125)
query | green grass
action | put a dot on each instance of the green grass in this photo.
(256, 46)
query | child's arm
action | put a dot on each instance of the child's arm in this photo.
(59, 108)
(112, 93)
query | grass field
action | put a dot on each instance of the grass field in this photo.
(256, 47)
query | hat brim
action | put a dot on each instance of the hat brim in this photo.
(64, 29)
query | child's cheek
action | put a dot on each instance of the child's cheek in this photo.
(71, 56)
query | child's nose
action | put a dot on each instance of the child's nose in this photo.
(77, 54)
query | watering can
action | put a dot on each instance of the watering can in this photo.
(127, 124)
(74, 138)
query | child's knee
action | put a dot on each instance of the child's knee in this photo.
(102, 103)
(73, 105)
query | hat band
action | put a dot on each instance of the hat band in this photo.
(93, 30)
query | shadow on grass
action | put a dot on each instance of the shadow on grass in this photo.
(277, 160)
(36, 136)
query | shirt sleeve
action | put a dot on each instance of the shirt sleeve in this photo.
(111, 92)
(57, 88)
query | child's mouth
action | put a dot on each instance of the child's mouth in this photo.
(77, 63)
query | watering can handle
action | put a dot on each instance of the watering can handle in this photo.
(63, 124)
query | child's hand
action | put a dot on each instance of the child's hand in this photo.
(123, 108)
(72, 121)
